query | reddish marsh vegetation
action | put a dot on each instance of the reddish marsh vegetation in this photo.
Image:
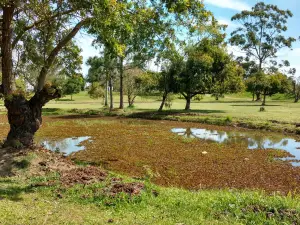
(133, 147)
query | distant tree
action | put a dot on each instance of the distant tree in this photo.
(138, 83)
(231, 80)
(97, 73)
(272, 84)
(208, 69)
(167, 78)
(73, 85)
(261, 35)
(96, 91)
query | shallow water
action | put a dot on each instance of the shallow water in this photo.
(253, 141)
(66, 145)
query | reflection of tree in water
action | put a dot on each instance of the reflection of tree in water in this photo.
(189, 134)
(237, 138)
(285, 143)
(62, 144)
(251, 140)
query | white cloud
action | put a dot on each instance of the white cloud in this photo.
(236, 51)
(229, 4)
(231, 25)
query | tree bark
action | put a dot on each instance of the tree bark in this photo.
(25, 117)
(296, 98)
(6, 49)
(121, 84)
(295, 92)
(111, 105)
(106, 93)
(165, 95)
(264, 100)
(131, 101)
(258, 98)
(188, 102)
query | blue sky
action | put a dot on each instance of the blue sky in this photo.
(223, 11)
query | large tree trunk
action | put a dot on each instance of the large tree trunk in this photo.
(258, 98)
(188, 102)
(25, 117)
(165, 95)
(6, 49)
(121, 84)
(264, 100)
(111, 105)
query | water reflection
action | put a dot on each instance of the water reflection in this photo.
(252, 141)
(66, 146)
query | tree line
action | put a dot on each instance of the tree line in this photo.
(183, 37)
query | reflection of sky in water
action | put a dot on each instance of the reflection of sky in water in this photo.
(252, 141)
(66, 146)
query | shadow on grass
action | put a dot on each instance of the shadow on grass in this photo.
(53, 111)
(254, 105)
(177, 111)
(65, 100)
(9, 188)
(13, 193)
(6, 162)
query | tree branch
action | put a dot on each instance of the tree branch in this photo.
(40, 98)
(20, 35)
(54, 53)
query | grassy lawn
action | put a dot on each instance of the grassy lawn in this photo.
(25, 200)
(237, 106)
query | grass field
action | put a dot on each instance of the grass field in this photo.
(236, 105)
(220, 187)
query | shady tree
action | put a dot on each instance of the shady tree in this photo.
(18, 20)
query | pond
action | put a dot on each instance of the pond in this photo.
(252, 141)
(66, 146)
(143, 148)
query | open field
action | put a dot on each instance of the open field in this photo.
(236, 106)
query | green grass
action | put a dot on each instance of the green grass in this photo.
(280, 115)
(237, 106)
(22, 203)
(240, 106)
